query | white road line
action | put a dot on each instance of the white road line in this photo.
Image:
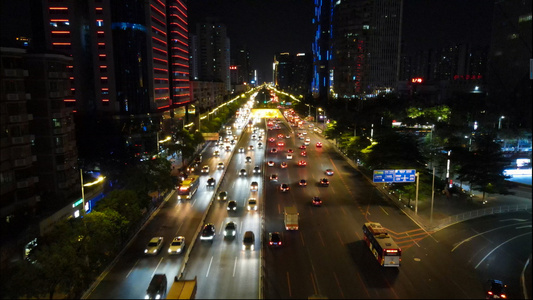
(208, 268)
(527, 233)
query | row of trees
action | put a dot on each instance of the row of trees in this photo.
(363, 131)
(70, 257)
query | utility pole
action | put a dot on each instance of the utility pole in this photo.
(417, 175)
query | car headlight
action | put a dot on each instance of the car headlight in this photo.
(145, 250)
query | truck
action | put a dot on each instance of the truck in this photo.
(182, 289)
(291, 218)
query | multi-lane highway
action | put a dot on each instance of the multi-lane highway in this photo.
(326, 256)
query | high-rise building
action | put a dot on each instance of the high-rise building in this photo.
(283, 71)
(351, 26)
(130, 64)
(356, 49)
(384, 45)
(212, 49)
(38, 153)
(509, 62)
(322, 49)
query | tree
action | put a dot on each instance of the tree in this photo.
(125, 202)
(484, 167)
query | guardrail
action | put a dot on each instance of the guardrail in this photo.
(480, 213)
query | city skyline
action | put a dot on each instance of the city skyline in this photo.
(286, 26)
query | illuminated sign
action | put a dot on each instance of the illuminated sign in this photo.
(467, 77)
(417, 80)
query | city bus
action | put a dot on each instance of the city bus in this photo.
(188, 187)
(385, 250)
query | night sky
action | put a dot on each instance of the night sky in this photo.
(270, 26)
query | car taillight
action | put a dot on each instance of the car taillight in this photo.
(279, 243)
(270, 243)
(490, 292)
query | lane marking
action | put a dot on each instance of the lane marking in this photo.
(209, 267)
(488, 254)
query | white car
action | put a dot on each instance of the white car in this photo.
(177, 245)
(241, 150)
(257, 170)
(252, 204)
(220, 166)
(289, 156)
(205, 169)
(254, 186)
(154, 246)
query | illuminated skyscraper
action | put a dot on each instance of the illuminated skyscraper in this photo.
(130, 61)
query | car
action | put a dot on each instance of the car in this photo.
(303, 147)
(248, 241)
(216, 153)
(303, 153)
(248, 159)
(316, 201)
(242, 172)
(280, 136)
(319, 144)
(251, 147)
(289, 156)
(272, 140)
(254, 186)
(290, 151)
(274, 150)
(252, 204)
(177, 245)
(254, 136)
(283, 165)
(220, 166)
(205, 169)
(211, 182)
(329, 172)
(274, 239)
(222, 196)
(324, 182)
(198, 159)
(257, 170)
(208, 232)
(497, 289)
(307, 143)
(281, 144)
(302, 163)
(232, 142)
(241, 150)
(274, 177)
(288, 136)
(228, 148)
(192, 167)
(270, 163)
(157, 288)
(232, 205)
(230, 230)
(259, 145)
(154, 245)
(284, 187)
(302, 182)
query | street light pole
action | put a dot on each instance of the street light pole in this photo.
(432, 197)
(500, 122)
(417, 175)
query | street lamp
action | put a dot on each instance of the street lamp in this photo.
(500, 122)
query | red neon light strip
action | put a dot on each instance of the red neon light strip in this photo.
(100, 32)
(180, 79)
(160, 60)
(98, 8)
(163, 88)
(60, 32)
(160, 12)
(160, 50)
(105, 100)
(184, 36)
(58, 8)
(178, 64)
(182, 57)
(185, 44)
(164, 79)
(102, 55)
(182, 5)
(164, 70)
(103, 78)
(161, 107)
(160, 31)
(179, 10)
(58, 20)
(101, 44)
(165, 43)
(61, 44)
(183, 21)
(162, 4)
(182, 50)
(69, 100)
(159, 21)
(105, 89)
(179, 25)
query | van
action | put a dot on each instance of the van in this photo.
(248, 240)
(157, 288)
